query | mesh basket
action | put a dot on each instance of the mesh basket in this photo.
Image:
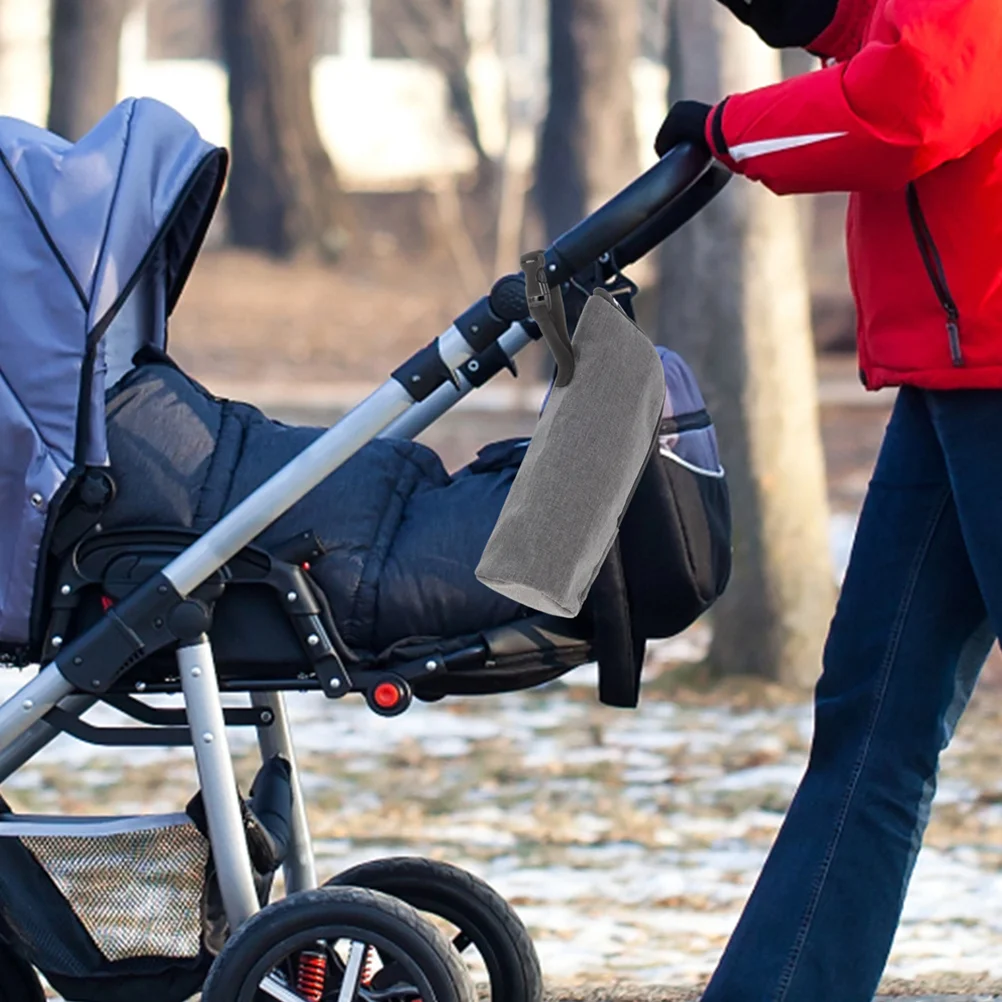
(136, 885)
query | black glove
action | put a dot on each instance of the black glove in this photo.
(686, 123)
(784, 24)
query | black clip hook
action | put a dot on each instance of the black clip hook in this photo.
(547, 310)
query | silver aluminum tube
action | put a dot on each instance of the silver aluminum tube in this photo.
(218, 782)
(38, 736)
(273, 987)
(31, 702)
(423, 415)
(300, 867)
(279, 493)
(352, 972)
(414, 421)
(453, 348)
(298, 477)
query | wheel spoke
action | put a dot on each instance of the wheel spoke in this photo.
(273, 987)
(353, 972)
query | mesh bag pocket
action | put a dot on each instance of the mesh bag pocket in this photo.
(78, 897)
(137, 893)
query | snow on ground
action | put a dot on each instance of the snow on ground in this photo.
(628, 841)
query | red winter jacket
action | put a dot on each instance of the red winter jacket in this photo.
(906, 115)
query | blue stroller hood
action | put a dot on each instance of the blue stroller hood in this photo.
(96, 241)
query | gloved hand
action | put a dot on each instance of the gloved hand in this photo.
(784, 24)
(686, 123)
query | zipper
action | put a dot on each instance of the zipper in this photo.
(101, 328)
(934, 268)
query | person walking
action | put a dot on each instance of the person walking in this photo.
(905, 114)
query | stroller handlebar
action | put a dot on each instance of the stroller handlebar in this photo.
(622, 231)
(672, 217)
(626, 213)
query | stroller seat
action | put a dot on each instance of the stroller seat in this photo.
(396, 538)
(389, 543)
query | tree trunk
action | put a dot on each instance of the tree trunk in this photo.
(588, 149)
(735, 303)
(85, 38)
(283, 192)
(434, 31)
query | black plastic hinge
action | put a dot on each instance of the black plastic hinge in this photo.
(329, 668)
(128, 632)
(480, 325)
(487, 365)
(320, 644)
(423, 373)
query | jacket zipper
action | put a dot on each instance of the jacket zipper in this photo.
(934, 268)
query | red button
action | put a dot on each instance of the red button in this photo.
(386, 695)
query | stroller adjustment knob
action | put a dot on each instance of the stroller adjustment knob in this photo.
(389, 696)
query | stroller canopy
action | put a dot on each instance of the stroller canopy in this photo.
(96, 241)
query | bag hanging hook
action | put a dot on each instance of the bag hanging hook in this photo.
(548, 312)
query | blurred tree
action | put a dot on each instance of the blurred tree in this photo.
(283, 195)
(84, 45)
(735, 303)
(588, 149)
(182, 29)
(434, 31)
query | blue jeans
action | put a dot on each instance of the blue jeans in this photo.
(920, 608)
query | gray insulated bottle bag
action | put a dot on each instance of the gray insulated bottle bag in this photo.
(622, 469)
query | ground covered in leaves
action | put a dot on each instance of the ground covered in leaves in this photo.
(628, 842)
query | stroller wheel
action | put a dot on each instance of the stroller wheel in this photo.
(338, 944)
(18, 980)
(481, 917)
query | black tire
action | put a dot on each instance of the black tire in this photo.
(418, 950)
(18, 980)
(483, 918)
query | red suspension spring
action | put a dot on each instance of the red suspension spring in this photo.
(368, 967)
(311, 978)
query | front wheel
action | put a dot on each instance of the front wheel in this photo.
(482, 919)
(338, 944)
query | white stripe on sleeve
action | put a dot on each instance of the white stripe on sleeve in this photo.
(745, 151)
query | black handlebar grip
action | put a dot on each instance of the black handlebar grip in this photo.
(676, 172)
(672, 217)
(508, 298)
(628, 226)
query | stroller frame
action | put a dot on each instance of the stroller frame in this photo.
(160, 613)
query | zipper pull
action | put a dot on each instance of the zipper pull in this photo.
(953, 333)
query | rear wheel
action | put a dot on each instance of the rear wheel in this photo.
(480, 917)
(18, 980)
(338, 944)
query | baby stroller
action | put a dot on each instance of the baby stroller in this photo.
(154, 539)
